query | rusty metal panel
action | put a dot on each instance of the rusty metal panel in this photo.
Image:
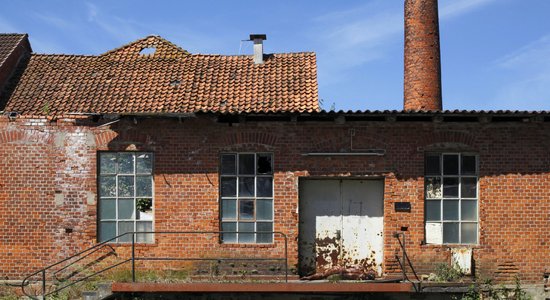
(341, 225)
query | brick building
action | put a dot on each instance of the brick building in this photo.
(129, 140)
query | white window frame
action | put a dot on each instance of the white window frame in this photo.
(460, 199)
(255, 197)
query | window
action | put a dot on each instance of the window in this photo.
(125, 185)
(451, 194)
(246, 189)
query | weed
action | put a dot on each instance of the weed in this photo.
(444, 273)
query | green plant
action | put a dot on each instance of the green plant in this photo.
(445, 273)
(143, 204)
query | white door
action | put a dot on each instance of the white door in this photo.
(341, 224)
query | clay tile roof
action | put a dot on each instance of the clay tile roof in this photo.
(170, 80)
(8, 42)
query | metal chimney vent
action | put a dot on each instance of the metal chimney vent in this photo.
(258, 40)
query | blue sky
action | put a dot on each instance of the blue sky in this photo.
(495, 53)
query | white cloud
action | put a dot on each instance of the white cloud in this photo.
(529, 68)
(454, 8)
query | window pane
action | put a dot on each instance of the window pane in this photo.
(468, 165)
(265, 187)
(450, 187)
(107, 231)
(228, 166)
(264, 165)
(107, 186)
(246, 186)
(125, 208)
(433, 187)
(144, 186)
(124, 227)
(433, 210)
(126, 186)
(450, 210)
(246, 237)
(246, 164)
(144, 227)
(450, 164)
(144, 209)
(229, 209)
(450, 233)
(469, 233)
(144, 163)
(229, 237)
(264, 237)
(107, 163)
(229, 186)
(264, 210)
(246, 209)
(469, 187)
(107, 209)
(469, 210)
(433, 165)
(125, 163)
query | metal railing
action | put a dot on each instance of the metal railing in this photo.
(405, 259)
(80, 256)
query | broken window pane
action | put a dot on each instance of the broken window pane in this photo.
(264, 237)
(450, 164)
(246, 209)
(469, 233)
(246, 187)
(229, 209)
(229, 162)
(264, 210)
(107, 209)
(229, 237)
(246, 237)
(124, 227)
(433, 165)
(433, 187)
(107, 186)
(450, 187)
(450, 233)
(126, 208)
(468, 210)
(125, 163)
(144, 163)
(469, 187)
(433, 210)
(246, 164)
(126, 186)
(265, 187)
(264, 164)
(144, 186)
(107, 231)
(229, 186)
(450, 210)
(107, 162)
(468, 165)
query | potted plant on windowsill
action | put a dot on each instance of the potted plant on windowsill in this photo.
(144, 208)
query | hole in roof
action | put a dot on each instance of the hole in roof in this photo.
(175, 83)
(148, 51)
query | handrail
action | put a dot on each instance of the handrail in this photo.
(133, 258)
(405, 258)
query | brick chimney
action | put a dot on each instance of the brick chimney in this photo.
(422, 90)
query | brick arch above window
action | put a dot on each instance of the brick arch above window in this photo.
(449, 137)
(236, 140)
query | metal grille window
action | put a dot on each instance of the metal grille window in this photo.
(451, 198)
(246, 190)
(125, 186)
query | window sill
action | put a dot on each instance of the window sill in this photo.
(248, 245)
(449, 246)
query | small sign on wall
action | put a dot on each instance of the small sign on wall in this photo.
(402, 206)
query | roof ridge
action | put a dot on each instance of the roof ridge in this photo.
(144, 39)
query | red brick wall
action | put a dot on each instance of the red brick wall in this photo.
(41, 160)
